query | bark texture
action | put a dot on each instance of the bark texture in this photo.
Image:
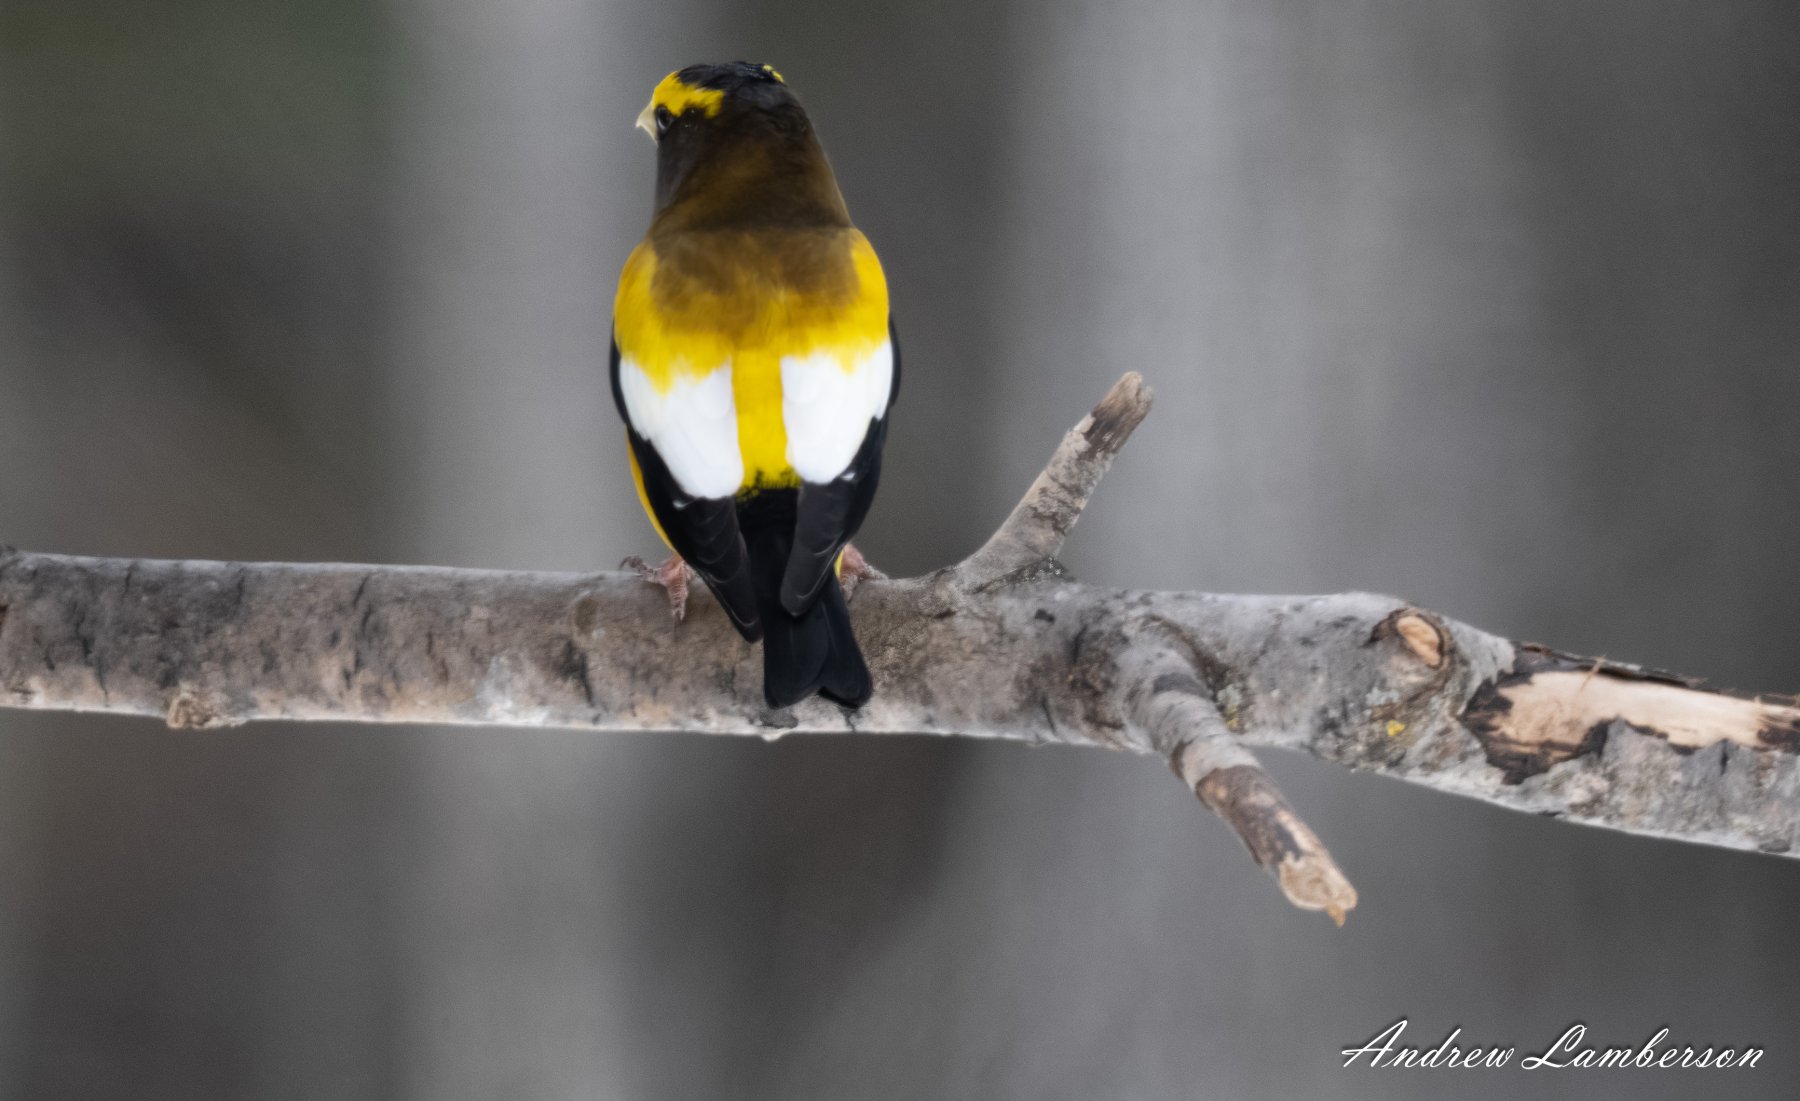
(1003, 645)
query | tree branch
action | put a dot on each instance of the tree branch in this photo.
(1032, 536)
(1003, 645)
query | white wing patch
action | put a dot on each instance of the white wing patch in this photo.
(827, 404)
(693, 428)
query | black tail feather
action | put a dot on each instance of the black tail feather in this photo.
(814, 651)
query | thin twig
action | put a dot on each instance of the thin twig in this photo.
(1032, 536)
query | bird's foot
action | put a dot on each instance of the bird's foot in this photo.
(672, 577)
(854, 569)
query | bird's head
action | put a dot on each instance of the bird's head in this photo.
(733, 145)
(689, 103)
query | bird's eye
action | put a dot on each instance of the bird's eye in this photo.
(664, 119)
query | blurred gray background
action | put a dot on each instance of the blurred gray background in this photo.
(1493, 304)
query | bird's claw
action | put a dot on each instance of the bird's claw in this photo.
(672, 577)
(854, 569)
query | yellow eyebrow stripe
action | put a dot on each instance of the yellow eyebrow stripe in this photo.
(679, 97)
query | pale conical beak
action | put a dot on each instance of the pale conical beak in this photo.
(647, 120)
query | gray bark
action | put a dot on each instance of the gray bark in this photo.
(1005, 645)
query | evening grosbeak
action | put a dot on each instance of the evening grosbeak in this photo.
(754, 363)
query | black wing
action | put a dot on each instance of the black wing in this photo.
(702, 530)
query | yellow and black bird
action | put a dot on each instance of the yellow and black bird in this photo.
(754, 363)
